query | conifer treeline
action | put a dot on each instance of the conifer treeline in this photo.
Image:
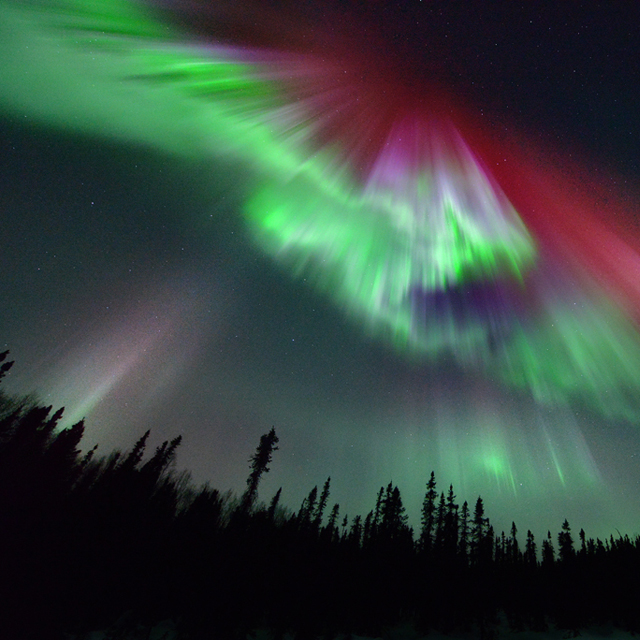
(86, 540)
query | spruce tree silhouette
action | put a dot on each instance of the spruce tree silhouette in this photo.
(428, 515)
(307, 508)
(514, 548)
(565, 543)
(355, 533)
(548, 552)
(260, 461)
(530, 551)
(322, 504)
(450, 525)
(330, 531)
(394, 518)
(273, 505)
(463, 542)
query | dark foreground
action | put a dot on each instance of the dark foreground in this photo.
(92, 543)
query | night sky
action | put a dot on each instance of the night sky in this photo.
(151, 278)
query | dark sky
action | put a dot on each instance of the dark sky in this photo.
(135, 293)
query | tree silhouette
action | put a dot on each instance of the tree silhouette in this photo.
(463, 544)
(260, 461)
(450, 537)
(162, 459)
(4, 368)
(394, 518)
(428, 518)
(479, 533)
(355, 533)
(548, 552)
(565, 543)
(133, 459)
(514, 551)
(322, 504)
(530, 555)
(273, 505)
(308, 507)
(583, 543)
(331, 530)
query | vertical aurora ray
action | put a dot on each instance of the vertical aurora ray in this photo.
(521, 457)
(375, 200)
(134, 356)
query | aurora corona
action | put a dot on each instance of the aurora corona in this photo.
(392, 216)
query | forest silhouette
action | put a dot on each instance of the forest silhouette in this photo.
(124, 541)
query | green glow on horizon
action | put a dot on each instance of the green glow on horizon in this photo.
(513, 451)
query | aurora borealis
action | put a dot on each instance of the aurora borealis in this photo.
(216, 220)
